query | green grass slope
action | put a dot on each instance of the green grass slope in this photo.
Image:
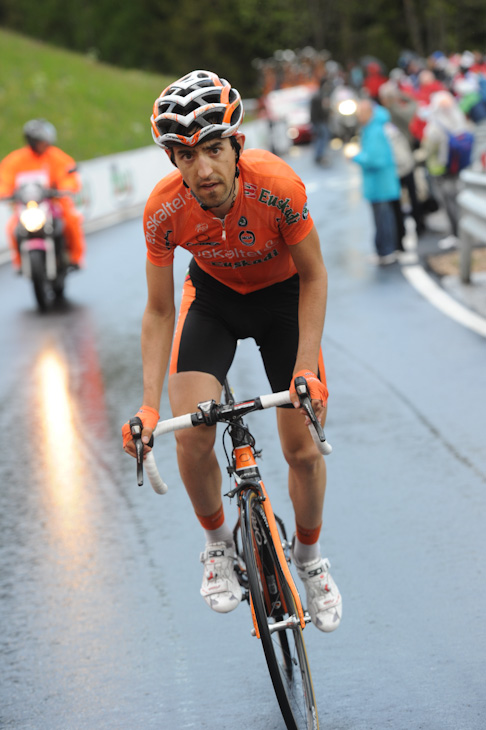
(97, 109)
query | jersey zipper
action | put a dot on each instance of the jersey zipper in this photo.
(223, 226)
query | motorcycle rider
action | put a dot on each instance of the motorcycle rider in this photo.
(40, 157)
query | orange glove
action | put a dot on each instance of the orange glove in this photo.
(149, 417)
(317, 390)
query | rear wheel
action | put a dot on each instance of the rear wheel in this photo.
(42, 289)
(274, 605)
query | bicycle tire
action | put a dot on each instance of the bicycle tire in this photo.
(273, 601)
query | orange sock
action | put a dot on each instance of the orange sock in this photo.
(308, 536)
(212, 522)
(216, 527)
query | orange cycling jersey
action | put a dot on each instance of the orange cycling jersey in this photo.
(58, 167)
(248, 249)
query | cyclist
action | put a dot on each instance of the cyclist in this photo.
(256, 271)
(40, 156)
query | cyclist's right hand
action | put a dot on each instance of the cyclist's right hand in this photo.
(149, 417)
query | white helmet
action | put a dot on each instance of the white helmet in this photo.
(196, 106)
(39, 130)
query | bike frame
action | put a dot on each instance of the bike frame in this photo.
(247, 476)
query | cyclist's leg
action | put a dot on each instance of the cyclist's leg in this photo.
(196, 457)
(278, 345)
(307, 485)
(307, 468)
(202, 353)
(201, 475)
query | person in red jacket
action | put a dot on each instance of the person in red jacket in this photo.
(59, 169)
(374, 78)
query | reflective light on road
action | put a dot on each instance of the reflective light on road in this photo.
(57, 433)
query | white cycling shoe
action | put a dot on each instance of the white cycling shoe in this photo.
(220, 588)
(324, 601)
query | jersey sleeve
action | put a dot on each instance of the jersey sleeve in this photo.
(160, 246)
(7, 176)
(295, 221)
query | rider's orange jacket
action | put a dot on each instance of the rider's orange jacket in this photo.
(249, 248)
(59, 167)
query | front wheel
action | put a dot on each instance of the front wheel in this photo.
(274, 605)
(42, 289)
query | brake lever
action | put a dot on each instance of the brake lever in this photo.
(304, 397)
(136, 427)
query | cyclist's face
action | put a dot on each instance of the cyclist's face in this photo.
(209, 170)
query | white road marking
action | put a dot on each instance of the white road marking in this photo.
(424, 284)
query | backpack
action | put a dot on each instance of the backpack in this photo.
(460, 151)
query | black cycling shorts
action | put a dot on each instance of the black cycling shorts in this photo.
(214, 317)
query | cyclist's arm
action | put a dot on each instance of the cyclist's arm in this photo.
(312, 303)
(157, 331)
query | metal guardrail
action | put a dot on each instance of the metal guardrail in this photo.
(472, 221)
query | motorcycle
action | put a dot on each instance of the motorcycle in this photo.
(343, 119)
(40, 239)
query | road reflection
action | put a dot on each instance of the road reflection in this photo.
(57, 431)
(69, 411)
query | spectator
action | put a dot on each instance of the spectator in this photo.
(319, 115)
(445, 118)
(381, 185)
(401, 105)
(469, 89)
(427, 84)
(402, 109)
(374, 78)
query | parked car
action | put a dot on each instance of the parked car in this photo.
(291, 106)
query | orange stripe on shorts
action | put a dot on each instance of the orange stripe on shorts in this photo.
(188, 296)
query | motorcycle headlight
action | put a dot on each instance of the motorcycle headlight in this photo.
(347, 107)
(33, 218)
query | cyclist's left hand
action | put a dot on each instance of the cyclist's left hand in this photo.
(317, 390)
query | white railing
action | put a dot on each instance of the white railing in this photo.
(472, 221)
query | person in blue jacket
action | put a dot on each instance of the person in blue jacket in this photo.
(381, 184)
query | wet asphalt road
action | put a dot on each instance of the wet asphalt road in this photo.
(102, 626)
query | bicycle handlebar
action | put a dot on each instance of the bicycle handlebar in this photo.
(210, 413)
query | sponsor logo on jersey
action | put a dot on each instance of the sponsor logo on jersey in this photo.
(238, 264)
(162, 214)
(247, 238)
(273, 201)
(235, 254)
(243, 222)
(250, 190)
(201, 241)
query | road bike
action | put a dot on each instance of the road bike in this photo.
(263, 550)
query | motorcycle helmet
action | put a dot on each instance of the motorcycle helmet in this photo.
(39, 130)
(195, 106)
